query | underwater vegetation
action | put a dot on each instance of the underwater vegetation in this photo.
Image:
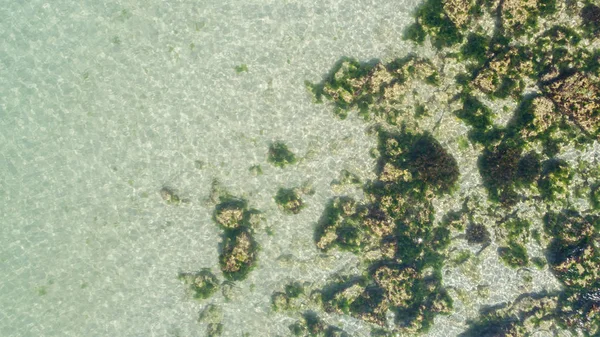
(289, 200)
(311, 325)
(238, 249)
(279, 155)
(396, 220)
(523, 52)
(203, 283)
(513, 88)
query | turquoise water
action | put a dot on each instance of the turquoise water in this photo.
(104, 103)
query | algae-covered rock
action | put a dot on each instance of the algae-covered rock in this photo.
(523, 317)
(556, 53)
(202, 284)
(501, 77)
(516, 15)
(230, 214)
(238, 255)
(397, 283)
(311, 325)
(458, 11)
(541, 116)
(578, 96)
(289, 200)
(279, 155)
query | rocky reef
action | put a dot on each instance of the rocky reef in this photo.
(524, 80)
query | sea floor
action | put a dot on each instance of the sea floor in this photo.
(102, 104)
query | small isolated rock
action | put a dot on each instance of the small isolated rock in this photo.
(289, 200)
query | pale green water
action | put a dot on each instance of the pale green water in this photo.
(102, 104)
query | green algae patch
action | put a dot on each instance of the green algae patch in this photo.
(279, 155)
(289, 200)
(241, 68)
(282, 300)
(439, 20)
(203, 284)
(555, 178)
(476, 48)
(514, 255)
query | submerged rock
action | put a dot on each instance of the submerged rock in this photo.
(238, 255)
(289, 200)
(203, 283)
(578, 96)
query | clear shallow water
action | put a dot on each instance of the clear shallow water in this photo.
(103, 104)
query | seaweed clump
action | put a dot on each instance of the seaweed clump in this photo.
(282, 300)
(238, 249)
(441, 21)
(238, 255)
(289, 200)
(515, 234)
(203, 283)
(279, 155)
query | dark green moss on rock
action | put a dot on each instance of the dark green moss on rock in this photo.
(498, 167)
(432, 164)
(590, 15)
(514, 255)
(555, 178)
(434, 17)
